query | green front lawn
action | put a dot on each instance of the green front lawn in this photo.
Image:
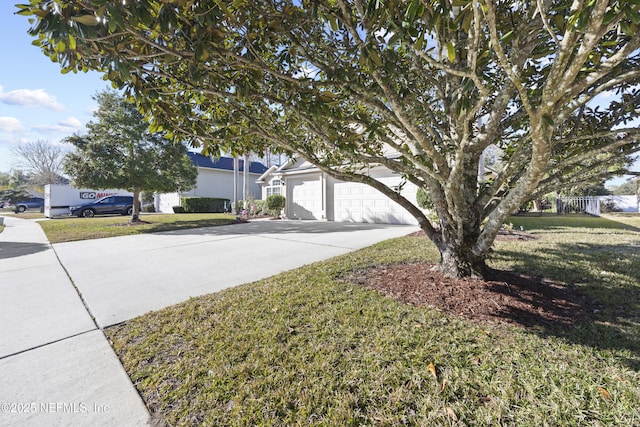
(72, 229)
(308, 348)
(631, 219)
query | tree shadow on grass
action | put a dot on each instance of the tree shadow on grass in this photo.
(602, 295)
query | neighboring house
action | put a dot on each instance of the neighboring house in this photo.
(312, 194)
(215, 179)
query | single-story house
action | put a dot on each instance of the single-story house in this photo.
(312, 194)
(215, 179)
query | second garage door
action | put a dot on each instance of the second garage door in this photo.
(355, 202)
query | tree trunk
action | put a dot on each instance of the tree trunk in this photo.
(135, 212)
(457, 262)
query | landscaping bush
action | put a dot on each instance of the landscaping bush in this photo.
(203, 204)
(609, 205)
(261, 207)
(147, 197)
(148, 208)
(274, 204)
(178, 209)
(526, 207)
(249, 205)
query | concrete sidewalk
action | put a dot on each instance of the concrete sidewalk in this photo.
(56, 366)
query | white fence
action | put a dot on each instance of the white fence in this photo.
(589, 205)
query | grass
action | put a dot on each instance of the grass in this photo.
(631, 219)
(307, 348)
(72, 229)
(24, 215)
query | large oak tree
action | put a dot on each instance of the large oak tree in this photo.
(118, 151)
(423, 87)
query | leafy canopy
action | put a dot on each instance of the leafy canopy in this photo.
(118, 151)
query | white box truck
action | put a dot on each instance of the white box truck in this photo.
(58, 197)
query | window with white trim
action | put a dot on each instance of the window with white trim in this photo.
(275, 187)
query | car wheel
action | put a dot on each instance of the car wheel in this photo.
(130, 210)
(21, 209)
(88, 213)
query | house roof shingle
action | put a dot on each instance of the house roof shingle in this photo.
(224, 163)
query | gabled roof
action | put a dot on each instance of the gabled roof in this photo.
(224, 163)
(264, 176)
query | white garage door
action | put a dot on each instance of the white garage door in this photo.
(305, 198)
(166, 201)
(354, 202)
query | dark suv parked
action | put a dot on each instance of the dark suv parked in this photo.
(23, 205)
(122, 205)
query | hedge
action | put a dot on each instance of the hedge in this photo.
(203, 204)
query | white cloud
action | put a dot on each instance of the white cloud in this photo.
(10, 125)
(67, 126)
(30, 98)
(71, 122)
(51, 129)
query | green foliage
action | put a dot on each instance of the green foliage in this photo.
(274, 204)
(5, 180)
(628, 188)
(147, 197)
(609, 205)
(260, 207)
(252, 206)
(423, 199)
(203, 204)
(13, 195)
(586, 189)
(118, 151)
(18, 179)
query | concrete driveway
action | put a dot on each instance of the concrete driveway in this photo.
(123, 277)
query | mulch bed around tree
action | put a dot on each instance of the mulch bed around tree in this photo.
(506, 297)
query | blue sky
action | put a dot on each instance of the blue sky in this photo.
(37, 102)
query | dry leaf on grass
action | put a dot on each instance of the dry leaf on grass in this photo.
(432, 369)
(451, 414)
(605, 394)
